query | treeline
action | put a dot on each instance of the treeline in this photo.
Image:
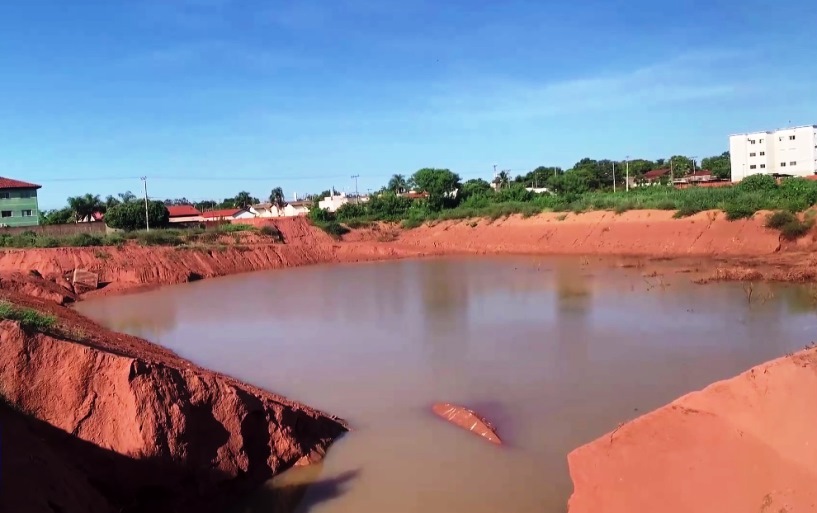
(448, 198)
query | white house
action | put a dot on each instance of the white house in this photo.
(267, 210)
(788, 151)
(297, 208)
(333, 202)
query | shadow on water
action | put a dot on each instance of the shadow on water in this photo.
(296, 491)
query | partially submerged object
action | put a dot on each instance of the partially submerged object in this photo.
(467, 419)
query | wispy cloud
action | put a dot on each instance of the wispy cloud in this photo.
(680, 79)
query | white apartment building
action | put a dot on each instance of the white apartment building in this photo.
(788, 151)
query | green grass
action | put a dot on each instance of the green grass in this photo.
(28, 318)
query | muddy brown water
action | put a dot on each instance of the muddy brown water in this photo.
(555, 352)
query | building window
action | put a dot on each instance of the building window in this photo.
(763, 166)
(761, 141)
(762, 153)
(25, 194)
(5, 213)
(791, 138)
(27, 213)
(4, 195)
(753, 166)
(782, 164)
(792, 163)
(752, 154)
(751, 141)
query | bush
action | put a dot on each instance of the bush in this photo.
(131, 215)
(160, 238)
(84, 240)
(779, 219)
(27, 317)
(232, 228)
(272, 231)
(758, 183)
(736, 211)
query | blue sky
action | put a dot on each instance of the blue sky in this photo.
(210, 97)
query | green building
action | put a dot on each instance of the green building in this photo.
(18, 203)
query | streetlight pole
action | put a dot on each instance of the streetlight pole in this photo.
(147, 219)
(357, 194)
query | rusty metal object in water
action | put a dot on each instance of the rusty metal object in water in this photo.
(467, 419)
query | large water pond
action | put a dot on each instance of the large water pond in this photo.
(556, 352)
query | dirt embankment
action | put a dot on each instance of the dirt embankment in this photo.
(119, 424)
(650, 234)
(747, 444)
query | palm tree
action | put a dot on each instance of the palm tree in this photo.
(503, 178)
(398, 184)
(276, 197)
(85, 206)
(126, 196)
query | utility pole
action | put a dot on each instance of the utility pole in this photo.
(147, 219)
(357, 194)
(627, 183)
(671, 173)
(614, 177)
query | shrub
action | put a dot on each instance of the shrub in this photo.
(779, 219)
(232, 228)
(739, 210)
(160, 238)
(271, 231)
(84, 240)
(757, 183)
(27, 317)
(131, 215)
(334, 228)
(795, 229)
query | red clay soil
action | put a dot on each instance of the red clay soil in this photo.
(747, 444)
(139, 422)
(467, 419)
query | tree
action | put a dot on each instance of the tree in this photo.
(244, 200)
(127, 196)
(573, 182)
(398, 184)
(205, 205)
(85, 206)
(680, 165)
(61, 216)
(502, 179)
(474, 187)
(440, 184)
(177, 201)
(131, 215)
(539, 176)
(111, 201)
(720, 166)
(276, 197)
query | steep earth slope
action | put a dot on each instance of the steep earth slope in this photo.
(153, 425)
(747, 444)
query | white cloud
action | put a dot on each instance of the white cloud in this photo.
(681, 79)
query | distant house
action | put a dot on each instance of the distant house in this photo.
(655, 176)
(180, 214)
(18, 203)
(333, 202)
(700, 176)
(227, 214)
(96, 217)
(297, 208)
(266, 210)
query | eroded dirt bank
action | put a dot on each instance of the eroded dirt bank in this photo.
(747, 444)
(742, 249)
(119, 424)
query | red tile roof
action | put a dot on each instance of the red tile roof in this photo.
(183, 211)
(218, 214)
(703, 172)
(655, 173)
(8, 183)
